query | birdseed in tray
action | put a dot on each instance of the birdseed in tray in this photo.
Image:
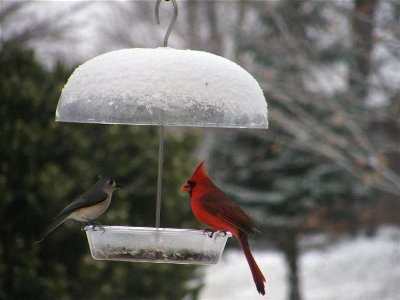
(181, 256)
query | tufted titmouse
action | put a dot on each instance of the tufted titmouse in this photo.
(88, 206)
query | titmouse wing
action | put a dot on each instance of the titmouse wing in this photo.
(89, 198)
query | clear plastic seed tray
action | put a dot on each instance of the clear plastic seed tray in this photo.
(162, 245)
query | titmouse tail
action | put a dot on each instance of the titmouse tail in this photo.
(56, 222)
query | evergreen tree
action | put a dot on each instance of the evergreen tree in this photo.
(45, 164)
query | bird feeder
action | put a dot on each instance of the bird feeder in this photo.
(162, 87)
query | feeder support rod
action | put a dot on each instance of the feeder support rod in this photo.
(161, 146)
(159, 179)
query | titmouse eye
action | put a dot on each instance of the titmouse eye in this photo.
(111, 182)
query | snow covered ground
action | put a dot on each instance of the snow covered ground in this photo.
(352, 269)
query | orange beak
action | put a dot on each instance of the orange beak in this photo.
(186, 187)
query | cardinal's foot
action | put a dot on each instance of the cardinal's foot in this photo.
(210, 232)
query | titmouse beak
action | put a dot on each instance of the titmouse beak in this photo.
(118, 186)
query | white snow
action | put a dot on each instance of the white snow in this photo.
(163, 86)
(353, 269)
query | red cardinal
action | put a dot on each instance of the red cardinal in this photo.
(213, 207)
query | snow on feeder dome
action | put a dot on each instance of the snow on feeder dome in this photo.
(164, 87)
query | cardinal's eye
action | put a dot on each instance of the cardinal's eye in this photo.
(191, 183)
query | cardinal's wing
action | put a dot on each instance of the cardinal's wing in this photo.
(217, 203)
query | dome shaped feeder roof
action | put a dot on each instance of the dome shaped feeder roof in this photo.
(163, 86)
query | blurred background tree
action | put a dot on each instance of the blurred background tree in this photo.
(282, 187)
(328, 70)
(322, 151)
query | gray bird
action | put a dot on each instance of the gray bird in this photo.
(87, 207)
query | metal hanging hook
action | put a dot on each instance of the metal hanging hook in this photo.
(171, 25)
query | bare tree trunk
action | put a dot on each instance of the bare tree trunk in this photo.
(289, 246)
(292, 255)
(238, 33)
(363, 42)
(215, 40)
(192, 24)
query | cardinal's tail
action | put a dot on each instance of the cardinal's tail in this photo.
(258, 276)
